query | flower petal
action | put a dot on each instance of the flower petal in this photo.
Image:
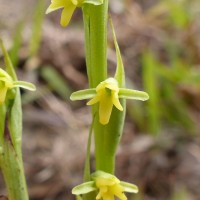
(94, 100)
(108, 196)
(112, 84)
(101, 181)
(55, 5)
(118, 191)
(67, 14)
(121, 196)
(75, 2)
(116, 102)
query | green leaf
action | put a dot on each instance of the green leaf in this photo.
(83, 94)
(128, 187)
(25, 85)
(13, 172)
(119, 74)
(84, 188)
(133, 94)
(94, 2)
(7, 61)
(15, 112)
(15, 122)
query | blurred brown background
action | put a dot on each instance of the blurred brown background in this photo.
(160, 149)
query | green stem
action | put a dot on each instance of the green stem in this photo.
(106, 136)
(95, 24)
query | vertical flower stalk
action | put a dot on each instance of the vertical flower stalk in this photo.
(95, 25)
(106, 136)
(11, 163)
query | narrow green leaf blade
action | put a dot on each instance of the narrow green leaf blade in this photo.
(15, 112)
(119, 74)
(12, 169)
(8, 63)
(15, 122)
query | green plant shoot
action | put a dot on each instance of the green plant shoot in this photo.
(107, 96)
(11, 162)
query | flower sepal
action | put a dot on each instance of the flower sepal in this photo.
(24, 85)
(84, 188)
(133, 94)
(83, 94)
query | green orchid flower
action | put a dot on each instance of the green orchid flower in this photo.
(69, 7)
(7, 83)
(107, 94)
(109, 91)
(107, 186)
